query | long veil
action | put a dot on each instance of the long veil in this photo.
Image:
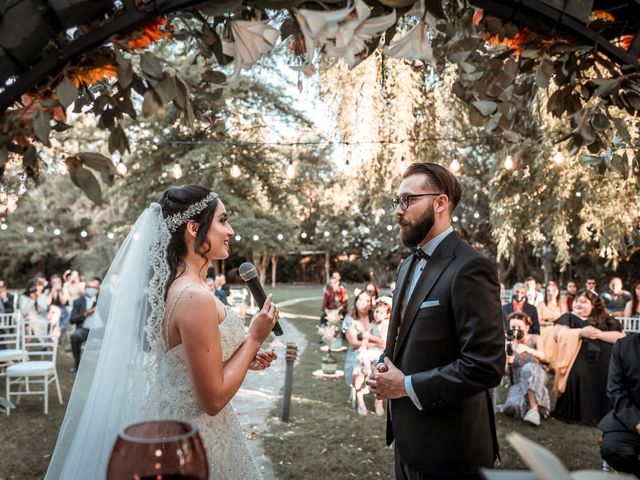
(117, 379)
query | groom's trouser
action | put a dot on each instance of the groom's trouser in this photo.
(405, 472)
(78, 337)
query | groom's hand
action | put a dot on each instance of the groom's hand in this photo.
(387, 381)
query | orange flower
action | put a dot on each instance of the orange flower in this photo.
(512, 43)
(91, 75)
(601, 15)
(624, 41)
(144, 36)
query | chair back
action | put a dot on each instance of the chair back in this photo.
(37, 341)
(630, 324)
(10, 330)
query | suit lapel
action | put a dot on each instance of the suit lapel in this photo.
(396, 309)
(438, 263)
(427, 280)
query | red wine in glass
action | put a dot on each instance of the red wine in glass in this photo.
(159, 450)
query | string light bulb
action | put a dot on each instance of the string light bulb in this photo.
(3, 226)
(558, 158)
(303, 234)
(30, 229)
(508, 163)
(256, 238)
(110, 236)
(235, 171)
(56, 231)
(454, 166)
(83, 233)
(176, 171)
(280, 236)
(291, 171)
(238, 238)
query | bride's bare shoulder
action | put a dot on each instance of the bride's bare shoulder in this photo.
(196, 303)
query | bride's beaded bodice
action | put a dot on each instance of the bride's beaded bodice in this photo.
(229, 456)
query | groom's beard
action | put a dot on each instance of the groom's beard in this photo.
(411, 236)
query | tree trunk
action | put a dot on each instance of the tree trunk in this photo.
(274, 266)
(327, 265)
(261, 263)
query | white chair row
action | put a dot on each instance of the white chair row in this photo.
(630, 324)
(30, 363)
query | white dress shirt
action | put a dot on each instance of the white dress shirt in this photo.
(94, 320)
(428, 248)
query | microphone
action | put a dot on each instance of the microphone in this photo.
(249, 274)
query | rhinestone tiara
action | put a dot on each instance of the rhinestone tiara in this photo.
(177, 219)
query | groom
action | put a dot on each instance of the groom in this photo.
(445, 346)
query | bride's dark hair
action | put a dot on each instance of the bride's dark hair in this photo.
(178, 199)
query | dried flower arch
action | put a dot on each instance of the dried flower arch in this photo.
(579, 57)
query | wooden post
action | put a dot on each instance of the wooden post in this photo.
(274, 264)
(292, 353)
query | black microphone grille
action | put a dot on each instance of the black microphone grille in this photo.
(247, 271)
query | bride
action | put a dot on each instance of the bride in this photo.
(185, 361)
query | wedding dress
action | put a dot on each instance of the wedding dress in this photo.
(127, 375)
(228, 454)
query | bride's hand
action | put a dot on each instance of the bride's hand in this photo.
(263, 360)
(263, 321)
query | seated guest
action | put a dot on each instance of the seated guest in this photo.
(357, 330)
(584, 399)
(57, 297)
(28, 310)
(591, 284)
(373, 346)
(519, 303)
(550, 309)
(84, 317)
(615, 299)
(528, 397)
(632, 308)
(567, 300)
(534, 296)
(335, 299)
(222, 290)
(620, 446)
(6, 298)
(211, 284)
(73, 287)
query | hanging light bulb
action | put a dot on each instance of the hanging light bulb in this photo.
(238, 238)
(403, 166)
(110, 236)
(508, 162)
(122, 169)
(83, 233)
(235, 171)
(3, 226)
(56, 231)
(389, 227)
(280, 236)
(326, 234)
(256, 238)
(454, 166)
(30, 229)
(291, 171)
(304, 235)
(558, 158)
(176, 171)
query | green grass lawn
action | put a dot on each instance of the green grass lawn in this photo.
(326, 437)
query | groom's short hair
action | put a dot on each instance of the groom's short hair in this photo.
(439, 178)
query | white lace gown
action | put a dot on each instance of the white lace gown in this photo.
(228, 454)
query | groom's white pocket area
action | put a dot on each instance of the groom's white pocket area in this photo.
(429, 304)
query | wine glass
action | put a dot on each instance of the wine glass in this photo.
(159, 449)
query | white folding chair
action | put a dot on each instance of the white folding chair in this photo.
(10, 340)
(25, 375)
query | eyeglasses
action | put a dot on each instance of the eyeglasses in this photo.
(404, 200)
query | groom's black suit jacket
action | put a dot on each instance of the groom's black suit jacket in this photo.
(454, 352)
